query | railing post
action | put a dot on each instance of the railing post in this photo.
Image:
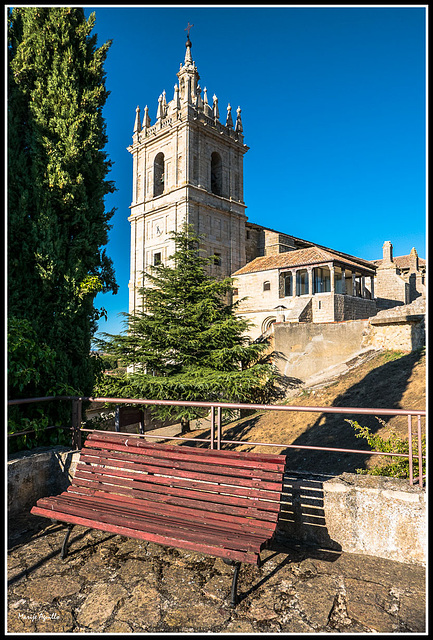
(117, 419)
(409, 428)
(420, 451)
(141, 426)
(218, 428)
(212, 427)
(76, 422)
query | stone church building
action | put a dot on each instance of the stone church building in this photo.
(188, 167)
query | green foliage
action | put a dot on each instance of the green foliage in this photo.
(29, 361)
(188, 344)
(57, 222)
(32, 363)
(390, 356)
(398, 467)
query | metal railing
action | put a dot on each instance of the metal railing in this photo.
(216, 438)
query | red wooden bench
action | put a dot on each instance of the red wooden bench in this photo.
(221, 503)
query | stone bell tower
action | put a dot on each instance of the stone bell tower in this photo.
(187, 166)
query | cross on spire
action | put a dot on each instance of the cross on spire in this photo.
(189, 27)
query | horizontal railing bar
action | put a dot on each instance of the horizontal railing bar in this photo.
(23, 433)
(300, 446)
(230, 405)
(147, 435)
(42, 399)
(270, 407)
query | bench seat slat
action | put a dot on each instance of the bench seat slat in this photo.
(225, 468)
(157, 523)
(198, 502)
(233, 554)
(251, 524)
(193, 514)
(183, 530)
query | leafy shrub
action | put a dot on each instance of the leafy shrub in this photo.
(398, 467)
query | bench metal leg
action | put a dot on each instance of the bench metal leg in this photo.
(64, 551)
(234, 595)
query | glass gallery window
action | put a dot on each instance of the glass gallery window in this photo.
(321, 280)
(301, 282)
(287, 279)
(338, 279)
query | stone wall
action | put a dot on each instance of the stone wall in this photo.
(400, 328)
(352, 307)
(390, 288)
(44, 471)
(307, 349)
(371, 515)
(398, 336)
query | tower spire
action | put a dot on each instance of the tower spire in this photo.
(188, 76)
(188, 56)
(137, 124)
(229, 120)
(238, 128)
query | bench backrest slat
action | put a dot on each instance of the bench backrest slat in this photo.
(178, 486)
(255, 460)
(128, 461)
(236, 488)
(221, 505)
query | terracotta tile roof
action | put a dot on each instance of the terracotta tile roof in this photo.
(402, 262)
(307, 243)
(298, 258)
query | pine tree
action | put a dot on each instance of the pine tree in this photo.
(57, 168)
(187, 343)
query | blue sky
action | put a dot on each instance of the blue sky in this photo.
(333, 109)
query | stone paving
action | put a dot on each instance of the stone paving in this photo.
(112, 584)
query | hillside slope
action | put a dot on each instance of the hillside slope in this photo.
(389, 380)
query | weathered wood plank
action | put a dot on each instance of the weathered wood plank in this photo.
(249, 558)
(168, 486)
(200, 502)
(155, 522)
(204, 476)
(122, 452)
(253, 460)
(153, 483)
(194, 514)
(205, 482)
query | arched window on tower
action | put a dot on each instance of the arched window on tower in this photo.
(158, 175)
(216, 174)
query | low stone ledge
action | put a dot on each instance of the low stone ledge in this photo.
(397, 319)
(34, 474)
(371, 515)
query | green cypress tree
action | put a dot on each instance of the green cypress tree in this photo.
(187, 343)
(57, 168)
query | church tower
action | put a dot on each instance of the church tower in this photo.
(187, 167)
